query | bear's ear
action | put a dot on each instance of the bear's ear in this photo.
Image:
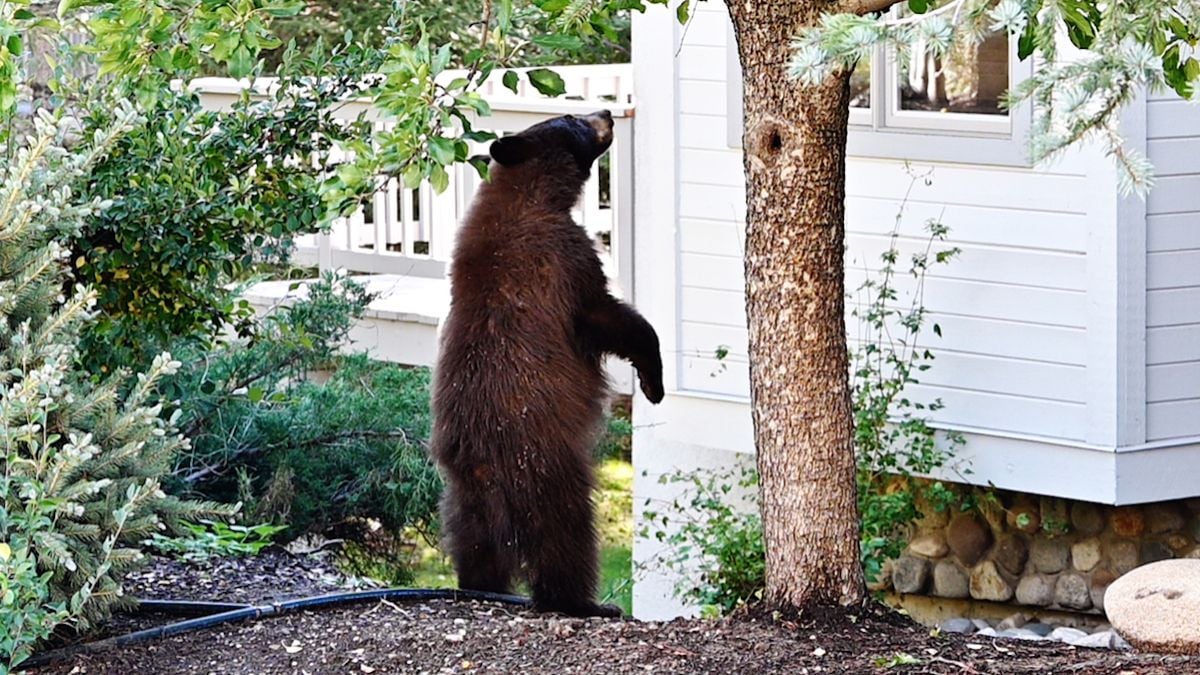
(511, 150)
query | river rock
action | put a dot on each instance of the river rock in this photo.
(1050, 555)
(968, 537)
(1087, 518)
(1085, 554)
(950, 580)
(1157, 606)
(931, 545)
(958, 625)
(1122, 556)
(1016, 620)
(988, 584)
(1024, 517)
(1037, 590)
(1065, 634)
(1010, 553)
(910, 574)
(1153, 551)
(1072, 591)
(1128, 521)
(1163, 519)
(1105, 639)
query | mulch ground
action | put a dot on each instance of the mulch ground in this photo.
(446, 637)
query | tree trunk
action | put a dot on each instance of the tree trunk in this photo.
(795, 149)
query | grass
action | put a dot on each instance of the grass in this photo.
(614, 520)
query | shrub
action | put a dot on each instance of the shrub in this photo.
(298, 450)
(198, 199)
(214, 539)
(81, 463)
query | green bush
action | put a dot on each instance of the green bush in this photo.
(82, 463)
(300, 451)
(214, 539)
(198, 199)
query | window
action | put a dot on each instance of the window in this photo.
(917, 105)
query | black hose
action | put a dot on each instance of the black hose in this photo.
(211, 614)
(187, 607)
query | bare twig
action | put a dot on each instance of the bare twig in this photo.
(861, 7)
(963, 667)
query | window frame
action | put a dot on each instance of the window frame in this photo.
(884, 132)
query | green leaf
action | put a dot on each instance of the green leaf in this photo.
(511, 80)
(441, 60)
(558, 41)
(439, 179)
(442, 150)
(241, 62)
(504, 15)
(681, 12)
(23, 15)
(547, 82)
(918, 6)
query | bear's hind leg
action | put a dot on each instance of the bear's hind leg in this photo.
(563, 559)
(483, 558)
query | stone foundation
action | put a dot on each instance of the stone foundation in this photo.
(1041, 552)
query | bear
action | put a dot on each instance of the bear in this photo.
(519, 386)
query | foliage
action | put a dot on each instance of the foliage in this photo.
(27, 616)
(892, 438)
(214, 539)
(16, 22)
(617, 440)
(1127, 45)
(715, 546)
(530, 40)
(198, 198)
(301, 451)
(144, 44)
(82, 464)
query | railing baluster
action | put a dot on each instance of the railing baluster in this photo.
(392, 221)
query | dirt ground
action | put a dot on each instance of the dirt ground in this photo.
(447, 637)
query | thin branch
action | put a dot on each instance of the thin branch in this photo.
(861, 7)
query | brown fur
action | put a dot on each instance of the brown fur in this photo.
(519, 384)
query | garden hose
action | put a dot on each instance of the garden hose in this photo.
(209, 614)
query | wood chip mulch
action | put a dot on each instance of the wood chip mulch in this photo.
(446, 637)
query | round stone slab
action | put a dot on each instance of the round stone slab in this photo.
(1157, 606)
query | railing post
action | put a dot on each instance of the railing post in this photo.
(621, 185)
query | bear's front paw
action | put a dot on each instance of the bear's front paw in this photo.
(652, 387)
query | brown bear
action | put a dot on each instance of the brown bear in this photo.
(519, 386)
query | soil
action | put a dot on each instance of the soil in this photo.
(446, 637)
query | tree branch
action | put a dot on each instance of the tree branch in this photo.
(861, 7)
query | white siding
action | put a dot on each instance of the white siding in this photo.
(1173, 270)
(1012, 307)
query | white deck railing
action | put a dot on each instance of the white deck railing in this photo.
(412, 231)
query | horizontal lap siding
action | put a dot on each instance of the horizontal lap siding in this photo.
(1173, 270)
(1011, 307)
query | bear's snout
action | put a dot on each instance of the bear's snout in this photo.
(602, 122)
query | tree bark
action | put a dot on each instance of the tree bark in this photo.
(795, 149)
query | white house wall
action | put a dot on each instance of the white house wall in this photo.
(1011, 308)
(1173, 270)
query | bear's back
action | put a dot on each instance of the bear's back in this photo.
(510, 364)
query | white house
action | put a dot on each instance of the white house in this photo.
(1070, 356)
